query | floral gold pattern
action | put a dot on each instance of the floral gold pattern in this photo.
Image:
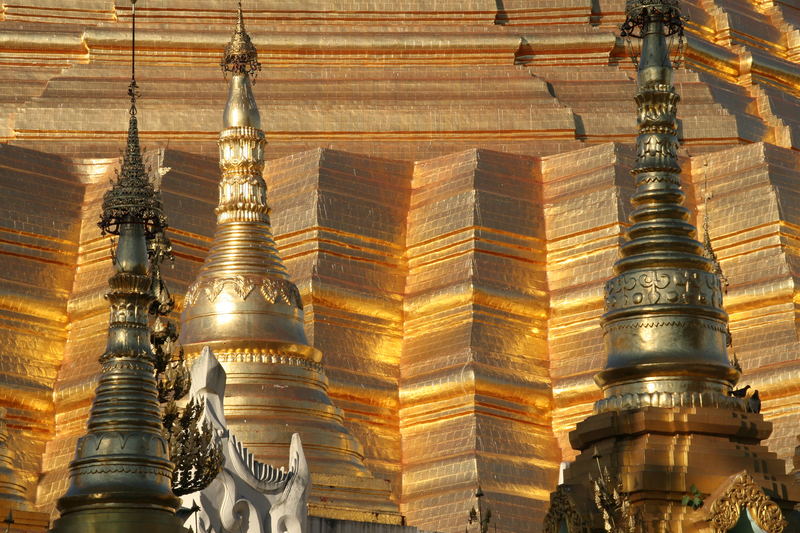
(744, 493)
(562, 509)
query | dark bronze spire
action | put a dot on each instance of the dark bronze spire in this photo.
(120, 477)
(665, 329)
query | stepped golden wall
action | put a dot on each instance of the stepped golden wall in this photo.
(449, 188)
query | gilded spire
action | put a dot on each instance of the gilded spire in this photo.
(241, 60)
(120, 477)
(664, 325)
(246, 309)
(243, 254)
(244, 306)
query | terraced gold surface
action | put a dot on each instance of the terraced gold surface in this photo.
(449, 189)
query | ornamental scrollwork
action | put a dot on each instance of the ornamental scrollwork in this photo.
(238, 173)
(669, 400)
(688, 287)
(657, 112)
(562, 509)
(743, 493)
(268, 357)
(666, 177)
(656, 145)
(274, 291)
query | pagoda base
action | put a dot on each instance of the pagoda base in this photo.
(359, 499)
(656, 455)
(119, 520)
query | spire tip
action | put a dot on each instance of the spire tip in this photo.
(241, 56)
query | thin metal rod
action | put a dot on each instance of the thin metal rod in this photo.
(133, 42)
(133, 89)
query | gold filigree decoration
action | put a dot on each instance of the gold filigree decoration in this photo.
(268, 357)
(663, 286)
(669, 400)
(744, 493)
(272, 290)
(240, 56)
(562, 509)
(614, 504)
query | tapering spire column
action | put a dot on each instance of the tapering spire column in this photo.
(246, 309)
(665, 329)
(120, 477)
(668, 432)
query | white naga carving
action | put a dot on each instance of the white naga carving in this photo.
(247, 496)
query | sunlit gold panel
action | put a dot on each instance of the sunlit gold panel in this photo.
(586, 203)
(475, 389)
(38, 248)
(339, 219)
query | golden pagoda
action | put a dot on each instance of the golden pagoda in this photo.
(244, 306)
(670, 446)
(449, 184)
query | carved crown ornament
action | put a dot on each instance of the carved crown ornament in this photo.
(563, 511)
(664, 286)
(737, 495)
(240, 55)
(640, 12)
(274, 291)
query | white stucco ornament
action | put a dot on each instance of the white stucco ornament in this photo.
(247, 496)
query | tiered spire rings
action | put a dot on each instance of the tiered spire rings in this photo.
(120, 477)
(246, 309)
(665, 329)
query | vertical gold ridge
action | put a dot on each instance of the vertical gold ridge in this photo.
(11, 490)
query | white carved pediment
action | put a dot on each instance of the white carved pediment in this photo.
(247, 496)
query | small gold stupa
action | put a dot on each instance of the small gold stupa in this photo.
(244, 306)
(670, 446)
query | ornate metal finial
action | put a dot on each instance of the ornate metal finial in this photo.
(665, 329)
(132, 198)
(133, 89)
(240, 55)
(639, 14)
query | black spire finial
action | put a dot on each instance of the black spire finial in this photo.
(133, 89)
(132, 198)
